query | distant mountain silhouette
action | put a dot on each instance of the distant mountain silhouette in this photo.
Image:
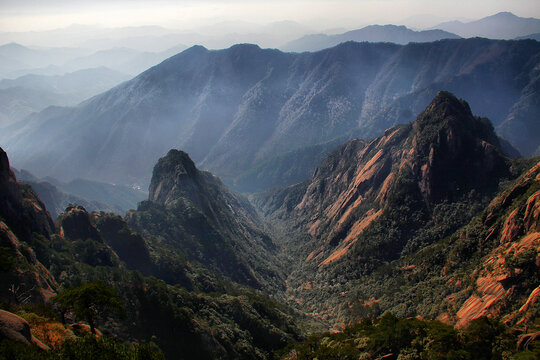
(503, 25)
(535, 36)
(32, 93)
(373, 33)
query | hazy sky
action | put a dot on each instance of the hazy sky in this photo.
(24, 15)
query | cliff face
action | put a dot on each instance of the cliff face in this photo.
(194, 214)
(17, 200)
(24, 221)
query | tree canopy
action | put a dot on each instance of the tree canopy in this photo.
(90, 301)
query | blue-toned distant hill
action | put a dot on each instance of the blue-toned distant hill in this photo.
(530, 36)
(92, 195)
(235, 109)
(373, 33)
(503, 25)
(31, 93)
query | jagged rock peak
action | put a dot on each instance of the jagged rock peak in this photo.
(174, 174)
(445, 104)
(450, 115)
(452, 149)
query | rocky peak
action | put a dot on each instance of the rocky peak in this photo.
(446, 155)
(174, 176)
(451, 151)
(198, 215)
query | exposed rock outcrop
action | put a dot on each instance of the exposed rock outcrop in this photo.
(20, 208)
(513, 218)
(90, 248)
(24, 223)
(16, 328)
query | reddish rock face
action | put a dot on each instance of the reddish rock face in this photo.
(519, 235)
(442, 156)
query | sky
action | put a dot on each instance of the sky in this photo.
(37, 15)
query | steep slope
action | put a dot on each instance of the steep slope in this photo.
(17, 103)
(506, 280)
(233, 109)
(193, 211)
(371, 203)
(23, 222)
(284, 169)
(196, 317)
(487, 268)
(372, 33)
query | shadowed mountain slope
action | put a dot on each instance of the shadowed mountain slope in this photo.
(200, 315)
(24, 222)
(192, 211)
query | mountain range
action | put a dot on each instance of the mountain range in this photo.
(17, 60)
(430, 219)
(32, 93)
(503, 25)
(92, 195)
(237, 108)
(372, 33)
(199, 315)
(157, 39)
(363, 200)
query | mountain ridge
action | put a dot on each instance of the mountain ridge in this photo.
(208, 102)
(503, 25)
(398, 34)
